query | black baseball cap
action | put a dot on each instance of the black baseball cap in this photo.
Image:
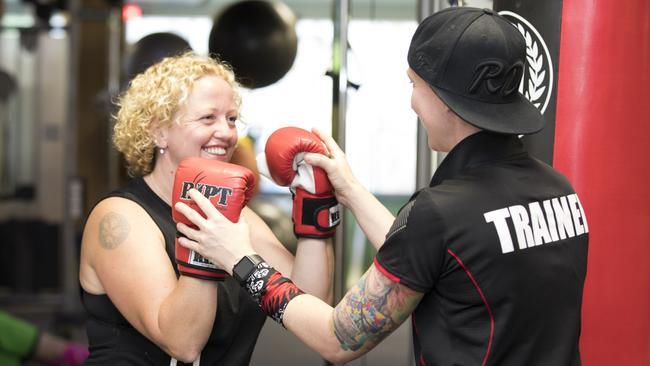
(474, 60)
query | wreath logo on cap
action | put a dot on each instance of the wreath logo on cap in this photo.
(535, 85)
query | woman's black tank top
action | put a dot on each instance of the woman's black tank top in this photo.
(113, 341)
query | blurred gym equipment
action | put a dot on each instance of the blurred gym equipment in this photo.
(7, 89)
(258, 38)
(7, 86)
(151, 49)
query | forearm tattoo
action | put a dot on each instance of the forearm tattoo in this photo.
(371, 310)
(113, 230)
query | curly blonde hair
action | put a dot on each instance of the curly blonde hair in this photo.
(152, 99)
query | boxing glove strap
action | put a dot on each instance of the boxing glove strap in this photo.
(270, 290)
(192, 264)
(312, 208)
(208, 266)
(213, 276)
(196, 260)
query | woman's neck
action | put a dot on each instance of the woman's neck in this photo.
(161, 181)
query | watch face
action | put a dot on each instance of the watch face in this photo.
(245, 266)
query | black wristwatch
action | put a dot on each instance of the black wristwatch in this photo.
(245, 267)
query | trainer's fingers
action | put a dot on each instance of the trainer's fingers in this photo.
(189, 244)
(187, 231)
(205, 205)
(189, 213)
(331, 145)
(318, 160)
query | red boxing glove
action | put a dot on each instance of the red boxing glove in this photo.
(315, 208)
(227, 186)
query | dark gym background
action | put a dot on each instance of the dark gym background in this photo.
(62, 62)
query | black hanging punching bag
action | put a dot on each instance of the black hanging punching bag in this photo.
(153, 48)
(258, 39)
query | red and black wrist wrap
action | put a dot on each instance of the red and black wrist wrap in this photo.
(271, 290)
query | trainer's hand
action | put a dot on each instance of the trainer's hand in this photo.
(316, 212)
(217, 239)
(337, 168)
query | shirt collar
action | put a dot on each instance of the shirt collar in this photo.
(477, 149)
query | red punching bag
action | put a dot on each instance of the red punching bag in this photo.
(592, 57)
(602, 127)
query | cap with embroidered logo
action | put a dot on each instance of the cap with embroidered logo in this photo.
(474, 60)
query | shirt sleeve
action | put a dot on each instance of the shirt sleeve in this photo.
(413, 252)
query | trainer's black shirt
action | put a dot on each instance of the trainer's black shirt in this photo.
(498, 245)
(113, 341)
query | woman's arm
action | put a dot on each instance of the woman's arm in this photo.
(374, 218)
(124, 251)
(313, 266)
(370, 311)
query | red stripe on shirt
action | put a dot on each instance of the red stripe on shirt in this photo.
(487, 306)
(385, 272)
(417, 334)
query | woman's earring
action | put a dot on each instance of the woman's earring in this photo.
(162, 151)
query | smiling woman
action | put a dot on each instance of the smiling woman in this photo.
(135, 281)
(159, 99)
(204, 126)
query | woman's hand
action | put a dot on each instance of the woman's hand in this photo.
(215, 237)
(337, 168)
